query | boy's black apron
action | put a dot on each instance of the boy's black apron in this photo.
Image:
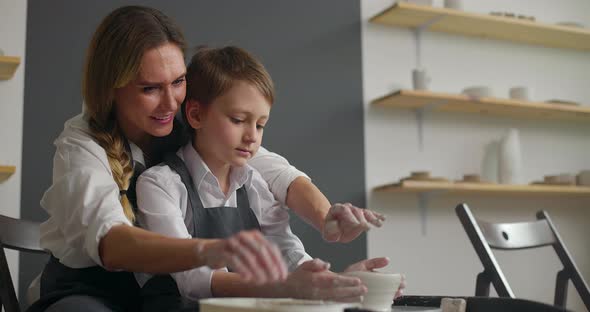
(161, 293)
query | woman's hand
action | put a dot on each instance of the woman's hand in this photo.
(344, 222)
(377, 263)
(314, 280)
(247, 253)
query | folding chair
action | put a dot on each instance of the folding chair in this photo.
(512, 236)
(19, 235)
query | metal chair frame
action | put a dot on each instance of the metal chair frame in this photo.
(18, 235)
(485, 236)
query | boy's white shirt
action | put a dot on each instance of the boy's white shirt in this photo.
(83, 200)
(163, 200)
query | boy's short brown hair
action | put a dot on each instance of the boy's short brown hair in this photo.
(213, 71)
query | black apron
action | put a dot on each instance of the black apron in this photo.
(118, 290)
(160, 293)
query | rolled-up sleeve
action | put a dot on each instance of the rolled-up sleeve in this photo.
(83, 203)
(276, 171)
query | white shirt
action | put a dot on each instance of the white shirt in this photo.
(163, 202)
(83, 200)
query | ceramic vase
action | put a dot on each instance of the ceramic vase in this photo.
(510, 164)
(490, 162)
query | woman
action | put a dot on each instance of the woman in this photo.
(133, 86)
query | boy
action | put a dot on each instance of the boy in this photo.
(207, 190)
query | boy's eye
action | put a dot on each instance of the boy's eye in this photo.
(260, 127)
(236, 120)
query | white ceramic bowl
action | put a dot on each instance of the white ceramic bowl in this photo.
(270, 305)
(381, 288)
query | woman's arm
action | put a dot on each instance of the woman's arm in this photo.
(308, 202)
(337, 223)
(134, 249)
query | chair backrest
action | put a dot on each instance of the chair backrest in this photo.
(485, 236)
(19, 235)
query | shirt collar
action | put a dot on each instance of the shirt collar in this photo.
(136, 153)
(199, 170)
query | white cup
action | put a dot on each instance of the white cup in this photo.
(519, 93)
(381, 288)
(420, 79)
(453, 4)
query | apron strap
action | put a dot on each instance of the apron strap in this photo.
(194, 202)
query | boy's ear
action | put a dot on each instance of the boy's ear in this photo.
(193, 112)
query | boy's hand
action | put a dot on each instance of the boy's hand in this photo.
(377, 263)
(344, 222)
(247, 253)
(313, 280)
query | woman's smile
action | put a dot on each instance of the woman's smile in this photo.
(163, 119)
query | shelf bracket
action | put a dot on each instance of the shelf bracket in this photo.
(423, 204)
(420, 113)
(418, 36)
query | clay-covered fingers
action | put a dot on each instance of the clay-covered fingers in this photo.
(255, 258)
(345, 222)
(314, 265)
(374, 218)
(339, 222)
(361, 221)
(337, 287)
(368, 264)
(401, 288)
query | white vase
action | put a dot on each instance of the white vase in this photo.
(510, 165)
(490, 162)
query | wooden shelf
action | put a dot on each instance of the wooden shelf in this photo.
(482, 188)
(411, 99)
(8, 65)
(485, 26)
(6, 172)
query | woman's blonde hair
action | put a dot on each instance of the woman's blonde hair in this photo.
(112, 61)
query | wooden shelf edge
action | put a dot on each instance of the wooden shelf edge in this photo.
(8, 66)
(464, 188)
(6, 172)
(499, 103)
(522, 24)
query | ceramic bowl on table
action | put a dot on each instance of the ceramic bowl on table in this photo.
(381, 288)
(270, 305)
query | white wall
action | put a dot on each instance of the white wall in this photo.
(443, 261)
(13, 21)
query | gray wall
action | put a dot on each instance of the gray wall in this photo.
(311, 48)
